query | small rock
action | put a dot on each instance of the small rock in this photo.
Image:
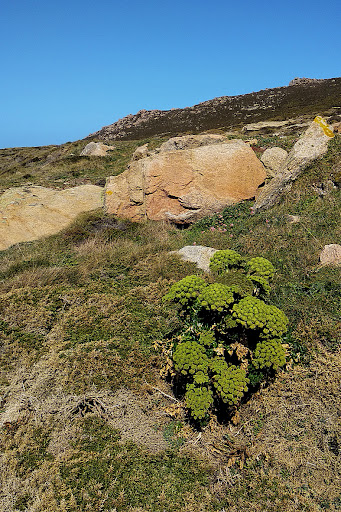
(198, 254)
(140, 152)
(331, 255)
(96, 149)
(294, 218)
(337, 127)
(273, 159)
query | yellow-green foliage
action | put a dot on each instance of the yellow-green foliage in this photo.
(231, 384)
(207, 338)
(217, 320)
(198, 401)
(186, 290)
(250, 312)
(276, 323)
(221, 261)
(269, 354)
(261, 267)
(253, 313)
(260, 282)
(216, 297)
(189, 358)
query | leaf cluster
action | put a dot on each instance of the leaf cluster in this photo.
(219, 316)
(269, 354)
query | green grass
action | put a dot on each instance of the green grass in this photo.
(62, 166)
(88, 300)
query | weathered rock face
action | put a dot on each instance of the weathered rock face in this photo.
(96, 149)
(31, 213)
(198, 254)
(185, 185)
(331, 255)
(311, 145)
(191, 141)
(273, 159)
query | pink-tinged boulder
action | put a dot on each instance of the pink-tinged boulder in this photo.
(186, 184)
(331, 255)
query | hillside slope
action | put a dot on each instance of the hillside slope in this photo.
(310, 97)
(87, 422)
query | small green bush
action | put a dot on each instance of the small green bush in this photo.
(217, 317)
(231, 384)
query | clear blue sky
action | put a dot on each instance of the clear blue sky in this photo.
(70, 67)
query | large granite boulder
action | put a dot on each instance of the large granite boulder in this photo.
(312, 144)
(183, 185)
(31, 213)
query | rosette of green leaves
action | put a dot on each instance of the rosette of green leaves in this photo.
(198, 401)
(250, 312)
(261, 267)
(221, 261)
(253, 313)
(231, 384)
(189, 358)
(186, 290)
(276, 324)
(206, 338)
(216, 297)
(269, 354)
(218, 365)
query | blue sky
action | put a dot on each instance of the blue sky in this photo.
(70, 67)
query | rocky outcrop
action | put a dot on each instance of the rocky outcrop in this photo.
(228, 111)
(96, 149)
(311, 145)
(185, 185)
(191, 141)
(305, 81)
(31, 213)
(331, 255)
(273, 159)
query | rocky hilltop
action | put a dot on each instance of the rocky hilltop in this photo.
(301, 96)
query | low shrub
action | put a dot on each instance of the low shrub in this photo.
(228, 335)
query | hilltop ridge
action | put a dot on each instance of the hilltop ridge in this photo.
(301, 96)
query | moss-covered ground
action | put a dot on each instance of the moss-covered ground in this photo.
(81, 314)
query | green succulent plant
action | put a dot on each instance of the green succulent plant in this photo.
(221, 261)
(216, 297)
(186, 290)
(253, 313)
(219, 315)
(189, 358)
(231, 384)
(206, 338)
(198, 400)
(269, 354)
(261, 267)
